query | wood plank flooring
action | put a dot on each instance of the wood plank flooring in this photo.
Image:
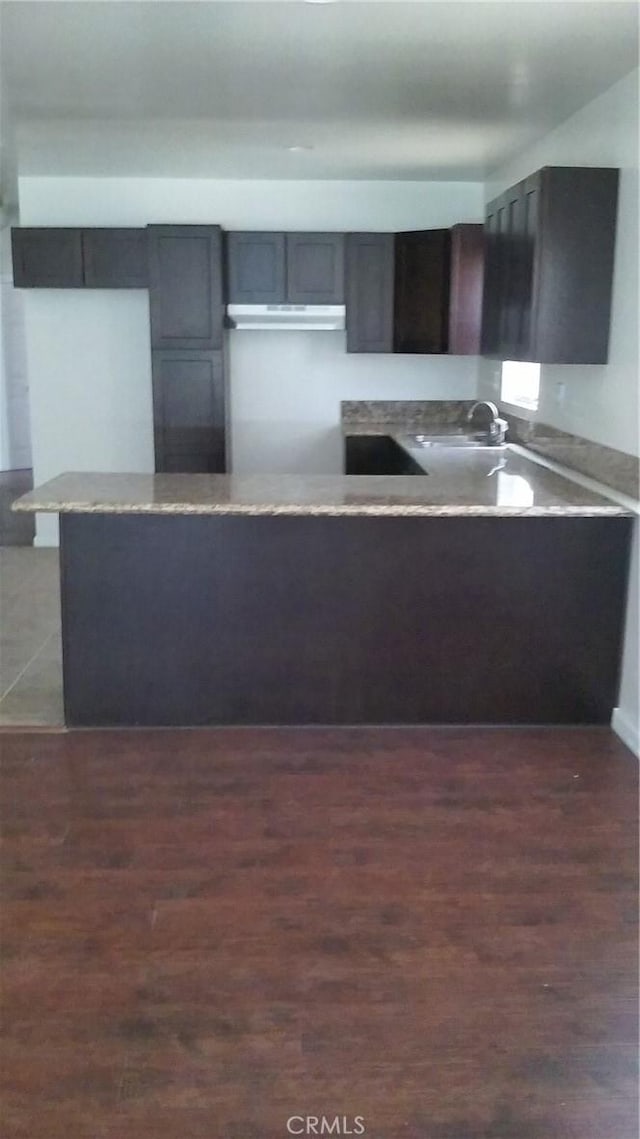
(208, 933)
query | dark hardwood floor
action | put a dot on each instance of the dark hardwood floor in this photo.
(207, 933)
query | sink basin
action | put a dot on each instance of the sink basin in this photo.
(453, 441)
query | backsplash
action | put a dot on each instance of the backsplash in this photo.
(418, 413)
(616, 469)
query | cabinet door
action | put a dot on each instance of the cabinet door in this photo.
(315, 268)
(47, 258)
(465, 302)
(115, 258)
(369, 292)
(189, 411)
(256, 269)
(185, 286)
(422, 268)
(573, 265)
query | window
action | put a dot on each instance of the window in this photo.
(520, 384)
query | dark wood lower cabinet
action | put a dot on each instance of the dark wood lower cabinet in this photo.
(189, 411)
(300, 620)
(377, 455)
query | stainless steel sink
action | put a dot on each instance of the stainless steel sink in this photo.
(453, 441)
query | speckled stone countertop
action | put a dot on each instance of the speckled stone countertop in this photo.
(494, 481)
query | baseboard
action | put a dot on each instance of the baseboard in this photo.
(624, 727)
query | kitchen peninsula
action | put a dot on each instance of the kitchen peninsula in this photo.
(488, 590)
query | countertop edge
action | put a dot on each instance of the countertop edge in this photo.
(327, 510)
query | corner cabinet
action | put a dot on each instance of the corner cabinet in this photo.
(418, 292)
(285, 268)
(549, 253)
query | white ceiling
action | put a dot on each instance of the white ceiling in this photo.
(422, 90)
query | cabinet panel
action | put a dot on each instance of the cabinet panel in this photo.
(185, 286)
(189, 410)
(47, 258)
(512, 247)
(422, 268)
(492, 281)
(315, 268)
(465, 302)
(115, 258)
(369, 292)
(530, 196)
(256, 268)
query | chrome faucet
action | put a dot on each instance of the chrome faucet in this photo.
(489, 425)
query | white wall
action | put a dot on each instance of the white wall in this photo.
(600, 402)
(287, 387)
(244, 204)
(90, 384)
(88, 352)
(15, 432)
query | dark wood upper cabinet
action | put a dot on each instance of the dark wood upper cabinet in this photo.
(256, 268)
(369, 292)
(315, 268)
(185, 286)
(421, 306)
(549, 252)
(46, 258)
(189, 410)
(285, 268)
(465, 297)
(115, 258)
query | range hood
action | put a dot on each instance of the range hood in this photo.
(279, 317)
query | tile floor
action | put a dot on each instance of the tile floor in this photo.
(30, 648)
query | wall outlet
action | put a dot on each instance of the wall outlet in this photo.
(561, 391)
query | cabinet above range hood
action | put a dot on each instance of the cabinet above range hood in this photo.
(297, 318)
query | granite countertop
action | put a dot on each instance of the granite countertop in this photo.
(495, 481)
